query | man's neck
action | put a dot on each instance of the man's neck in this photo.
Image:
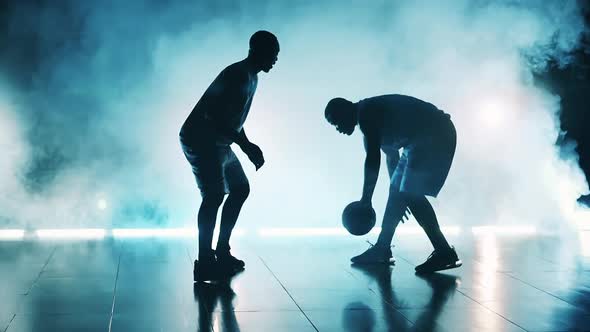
(252, 68)
(357, 110)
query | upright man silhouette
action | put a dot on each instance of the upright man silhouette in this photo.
(428, 139)
(213, 125)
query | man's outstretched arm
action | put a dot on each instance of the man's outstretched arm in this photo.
(372, 164)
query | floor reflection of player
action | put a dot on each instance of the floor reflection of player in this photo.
(209, 297)
(443, 287)
(428, 139)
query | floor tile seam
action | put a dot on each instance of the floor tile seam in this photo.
(381, 298)
(376, 292)
(493, 311)
(546, 260)
(288, 293)
(189, 256)
(404, 259)
(114, 295)
(260, 310)
(32, 285)
(42, 269)
(52, 314)
(543, 291)
(9, 322)
(393, 307)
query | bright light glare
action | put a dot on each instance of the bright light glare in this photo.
(492, 114)
(412, 230)
(302, 231)
(102, 204)
(12, 234)
(504, 230)
(80, 233)
(191, 232)
(155, 232)
(166, 232)
(339, 231)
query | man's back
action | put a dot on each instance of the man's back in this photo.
(227, 100)
(399, 119)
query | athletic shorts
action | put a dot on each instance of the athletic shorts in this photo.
(216, 168)
(424, 165)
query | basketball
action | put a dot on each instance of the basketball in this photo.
(358, 218)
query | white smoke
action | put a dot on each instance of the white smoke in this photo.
(473, 59)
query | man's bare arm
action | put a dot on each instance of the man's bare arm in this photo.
(372, 164)
(223, 130)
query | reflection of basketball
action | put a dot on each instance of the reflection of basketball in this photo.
(357, 316)
(358, 218)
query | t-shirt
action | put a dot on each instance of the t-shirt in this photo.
(227, 101)
(402, 120)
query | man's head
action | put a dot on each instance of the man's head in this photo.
(264, 50)
(342, 114)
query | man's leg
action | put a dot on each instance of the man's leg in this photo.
(426, 218)
(396, 205)
(206, 223)
(229, 215)
(380, 253)
(394, 211)
(207, 166)
(444, 256)
(239, 189)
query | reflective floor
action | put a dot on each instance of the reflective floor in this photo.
(293, 284)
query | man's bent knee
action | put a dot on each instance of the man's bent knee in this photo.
(241, 193)
(214, 198)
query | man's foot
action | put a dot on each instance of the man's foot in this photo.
(228, 261)
(440, 260)
(376, 254)
(209, 269)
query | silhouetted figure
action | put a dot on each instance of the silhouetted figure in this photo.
(214, 124)
(428, 139)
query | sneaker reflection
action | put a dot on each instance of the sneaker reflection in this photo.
(443, 287)
(211, 296)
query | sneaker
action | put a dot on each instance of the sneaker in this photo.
(209, 270)
(376, 254)
(227, 260)
(440, 260)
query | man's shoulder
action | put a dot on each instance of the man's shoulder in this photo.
(370, 120)
(236, 73)
(381, 100)
(396, 101)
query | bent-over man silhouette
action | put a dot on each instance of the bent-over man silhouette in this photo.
(428, 139)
